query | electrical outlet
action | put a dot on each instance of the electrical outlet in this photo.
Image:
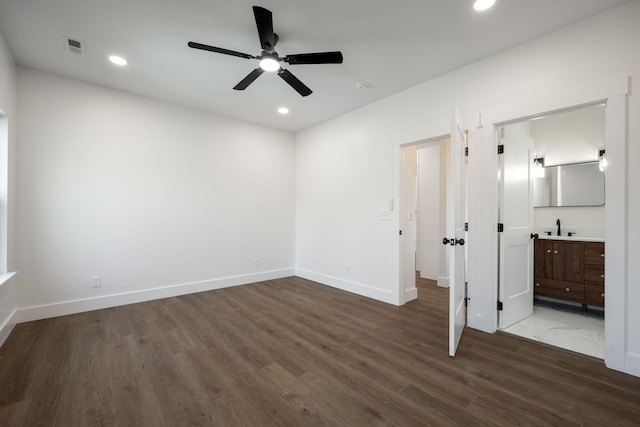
(96, 282)
(256, 262)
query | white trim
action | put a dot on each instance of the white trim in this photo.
(632, 364)
(4, 277)
(410, 294)
(616, 243)
(443, 281)
(7, 327)
(349, 286)
(28, 314)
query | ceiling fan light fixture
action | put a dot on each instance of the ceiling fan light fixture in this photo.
(480, 5)
(269, 63)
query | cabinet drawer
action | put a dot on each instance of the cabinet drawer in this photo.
(594, 253)
(594, 295)
(594, 274)
(559, 289)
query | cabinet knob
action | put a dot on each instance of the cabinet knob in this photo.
(537, 284)
(548, 251)
(555, 252)
(602, 255)
(602, 295)
(602, 276)
(567, 289)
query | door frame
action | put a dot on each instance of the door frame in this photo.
(614, 92)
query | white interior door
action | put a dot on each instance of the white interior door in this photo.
(515, 243)
(456, 234)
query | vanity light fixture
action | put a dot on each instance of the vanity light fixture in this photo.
(602, 160)
(480, 5)
(538, 167)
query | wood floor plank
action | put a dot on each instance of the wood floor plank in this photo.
(291, 352)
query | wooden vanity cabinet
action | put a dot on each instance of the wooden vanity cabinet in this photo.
(569, 270)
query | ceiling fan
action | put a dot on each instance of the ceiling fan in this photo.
(269, 58)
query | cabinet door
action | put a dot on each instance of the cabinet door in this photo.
(568, 261)
(543, 259)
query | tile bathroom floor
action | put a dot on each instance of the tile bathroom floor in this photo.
(565, 327)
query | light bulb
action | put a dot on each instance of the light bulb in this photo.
(269, 64)
(603, 163)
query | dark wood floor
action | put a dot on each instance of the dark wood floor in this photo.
(295, 353)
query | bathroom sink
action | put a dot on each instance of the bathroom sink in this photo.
(574, 237)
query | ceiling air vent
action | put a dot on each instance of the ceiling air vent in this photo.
(74, 45)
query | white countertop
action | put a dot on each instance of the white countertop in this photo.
(576, 238)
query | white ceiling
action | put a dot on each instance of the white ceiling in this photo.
(392, 45)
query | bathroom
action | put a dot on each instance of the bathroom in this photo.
(568, 172)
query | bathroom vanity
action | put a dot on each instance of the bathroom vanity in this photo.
(570, 269)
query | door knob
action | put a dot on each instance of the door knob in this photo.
(459, 242)
(534, 236)
(446, 241)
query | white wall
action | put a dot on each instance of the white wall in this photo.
(156, 199)
(8, 140)
(430, 249)
(337, 197)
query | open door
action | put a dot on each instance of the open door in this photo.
(516, 221)
(456, 234)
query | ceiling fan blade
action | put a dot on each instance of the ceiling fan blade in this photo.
(293, 81)
(264, 22)
(249, 79)
(315, 58)
(219, 50)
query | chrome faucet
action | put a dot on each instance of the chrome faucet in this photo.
(558, 224)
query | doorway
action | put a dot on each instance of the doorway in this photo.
(455, 226)
(423, 215)
(556, 180)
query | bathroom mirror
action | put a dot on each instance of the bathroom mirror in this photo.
(578, 184)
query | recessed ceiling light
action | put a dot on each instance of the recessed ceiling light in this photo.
(481, 5)
(283, 110)
(118, 60)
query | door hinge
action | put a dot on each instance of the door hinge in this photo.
(466, 302)
(401, 232)
(466, 151)
(500, 149)
(466, 226)
(499, 306)
(500, 227)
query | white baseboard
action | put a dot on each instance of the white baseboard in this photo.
(632, 364)
(64, 308)
(443, 282)
(7, 326)
(410, 294)
(353, 287)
